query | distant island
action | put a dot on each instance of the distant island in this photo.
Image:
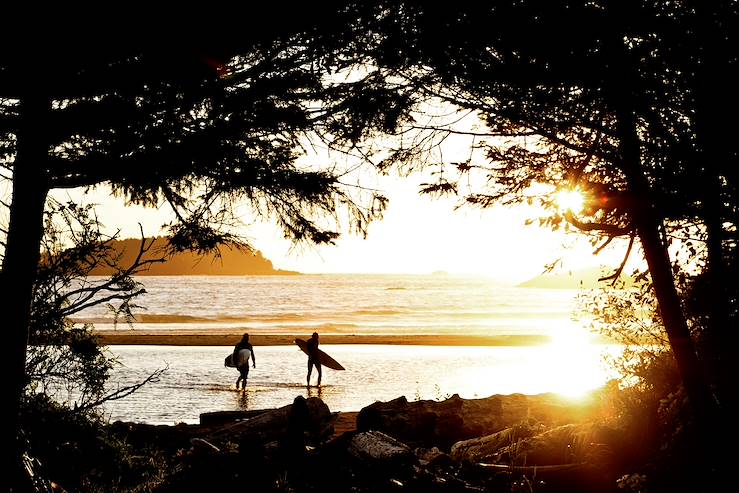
(574, 279)
(232, 262)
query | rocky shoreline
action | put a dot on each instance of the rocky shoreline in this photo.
(453, 445)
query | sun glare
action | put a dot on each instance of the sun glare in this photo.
(575, 362)
(570, 200)
(571, 365)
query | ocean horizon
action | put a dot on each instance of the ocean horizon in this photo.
(373, 304)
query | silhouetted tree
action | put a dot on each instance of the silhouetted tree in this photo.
(600, 96)
(710, 38)
(198, 123)
(65, 361)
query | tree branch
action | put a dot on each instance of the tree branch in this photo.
(78, 307)
(620, 269)
(85, 294)
(609, 229)
(123, 392)
(605, 244)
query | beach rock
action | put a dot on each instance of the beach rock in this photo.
(420, 423)
(432, 457)
(428, 423)
(378, 448)
(273, 447)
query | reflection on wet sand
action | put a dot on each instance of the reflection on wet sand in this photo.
(196, 382)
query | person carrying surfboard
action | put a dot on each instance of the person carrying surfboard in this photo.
(314, 358)
(242, 351)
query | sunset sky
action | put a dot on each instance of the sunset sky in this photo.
(419, 235)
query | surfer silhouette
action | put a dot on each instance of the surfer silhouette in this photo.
(313, 357)
(242, 351)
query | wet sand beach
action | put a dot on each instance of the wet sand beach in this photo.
(229, 338)
(196, 380)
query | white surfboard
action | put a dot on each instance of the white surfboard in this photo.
(242, 358)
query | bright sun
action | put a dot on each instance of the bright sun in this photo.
(570, 200)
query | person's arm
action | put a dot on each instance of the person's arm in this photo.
(253, 358)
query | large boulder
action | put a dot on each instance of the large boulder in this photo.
(378, 449)
(426, 423)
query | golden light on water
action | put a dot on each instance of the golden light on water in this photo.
(572, 365)
(570, 200)
(575, 363)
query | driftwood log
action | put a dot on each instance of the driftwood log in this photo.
(273, 425)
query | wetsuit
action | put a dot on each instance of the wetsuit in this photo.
(313, 358)
(244, 367)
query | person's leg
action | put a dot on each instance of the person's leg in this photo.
(318, 367)
(310, 369)
(245, 375)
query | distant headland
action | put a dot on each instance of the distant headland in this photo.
(588, 278)
(232, 261)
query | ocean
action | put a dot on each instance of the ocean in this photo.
(345, 304)
(195, 380)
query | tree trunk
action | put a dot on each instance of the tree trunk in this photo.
(678, 334)
(648, 225)
(25, 231)
(714, 87)
(708, 417)
(622, 93)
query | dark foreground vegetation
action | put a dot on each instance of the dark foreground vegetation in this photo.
(611, 440)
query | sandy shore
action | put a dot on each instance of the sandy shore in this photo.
(182, 338)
